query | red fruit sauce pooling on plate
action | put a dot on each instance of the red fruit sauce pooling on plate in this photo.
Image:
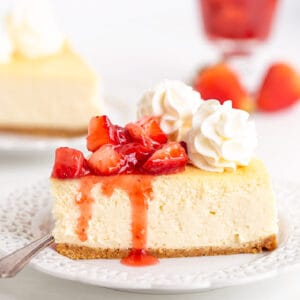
(139, 190)
(139, 258)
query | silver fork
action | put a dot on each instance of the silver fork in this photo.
(13, 263)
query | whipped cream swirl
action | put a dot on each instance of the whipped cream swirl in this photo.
(175, 103)
(221, 138)
(32, 30)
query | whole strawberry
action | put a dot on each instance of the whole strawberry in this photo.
(280, 88)
(221, 83)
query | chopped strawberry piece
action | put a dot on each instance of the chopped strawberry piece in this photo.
(152, 129)
(69, 163)
(100, 132)
(121, 135)
(170, 158)
(184, 146)
(221, 83)
(147, 132)
(135, 154)
(280, 88)
(106, 160)
(137, 134)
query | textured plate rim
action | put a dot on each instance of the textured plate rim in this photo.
(20, 142)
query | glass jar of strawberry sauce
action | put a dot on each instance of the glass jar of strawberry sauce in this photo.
(236, 25)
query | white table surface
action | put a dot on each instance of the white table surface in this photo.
(134, 44)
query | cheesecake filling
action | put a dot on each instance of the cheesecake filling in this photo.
(245, 214)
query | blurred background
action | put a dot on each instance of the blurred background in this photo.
(133, 45)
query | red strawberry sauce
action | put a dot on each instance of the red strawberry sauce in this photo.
(139, 190)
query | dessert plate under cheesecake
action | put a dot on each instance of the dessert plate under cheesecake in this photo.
(15, 143)
(26, 215)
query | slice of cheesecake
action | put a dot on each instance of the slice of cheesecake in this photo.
(45, 87)
(190, 213)
(52, 95)
(136, 198)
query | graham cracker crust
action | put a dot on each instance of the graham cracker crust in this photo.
(44, 132)
(82, 252)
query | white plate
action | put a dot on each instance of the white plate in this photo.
(25, 215)
(26, 143)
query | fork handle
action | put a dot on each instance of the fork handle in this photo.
(13, 263)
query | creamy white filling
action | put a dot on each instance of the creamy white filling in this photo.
(201, 214)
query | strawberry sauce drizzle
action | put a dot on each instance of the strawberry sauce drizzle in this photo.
(139, 190)
(85, 205)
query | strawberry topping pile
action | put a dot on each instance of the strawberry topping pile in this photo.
(139, 148)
